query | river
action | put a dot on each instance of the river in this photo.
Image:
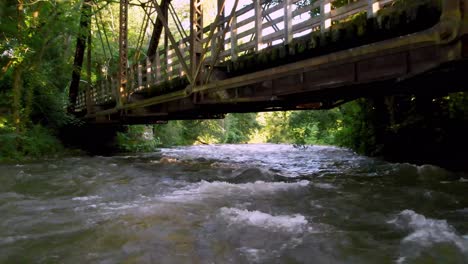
(232, 204)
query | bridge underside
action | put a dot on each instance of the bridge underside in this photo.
(414, 64)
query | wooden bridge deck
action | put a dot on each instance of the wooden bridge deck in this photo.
(432, 60)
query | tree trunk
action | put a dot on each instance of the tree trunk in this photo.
(17, 73)
(85, 23)
(17, 92)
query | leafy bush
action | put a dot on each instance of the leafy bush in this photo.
(35, 142)
(138, 138)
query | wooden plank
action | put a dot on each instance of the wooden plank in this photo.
(273, 9)
(246, 33)
(348, 10)
(224, 54)
(302, 10)
(325, 15)
(234, 38)
(382, 66)
(258, 25)
(372, 7)
(273, 36)
(272, 22)
(246, 46)
(245, 21)
(308, 24)
(244, 10)
(288, 32)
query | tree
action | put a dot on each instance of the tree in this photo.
(33, 55)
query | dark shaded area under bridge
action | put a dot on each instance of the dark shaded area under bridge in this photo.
(425, 57)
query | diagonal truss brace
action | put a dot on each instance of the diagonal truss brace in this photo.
(162, 18)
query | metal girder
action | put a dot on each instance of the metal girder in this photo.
(163, 20)
(221, 38)
(123, 50)
(196, 38)
(157, 30)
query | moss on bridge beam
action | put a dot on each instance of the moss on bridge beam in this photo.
(402, 18)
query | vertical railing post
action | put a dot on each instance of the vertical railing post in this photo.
(165, 64)
(325, 15)
(158, 68)
(258, 24)
(214, 43)
(130, 79)
(114, 88)
(108, 88)
(169, 62)
(288, 33)
(373, 6)
(234, 38)
(140, 77)
(182, 50)
(89, 106)
(149, 73)
(103, 89)
(220, 27)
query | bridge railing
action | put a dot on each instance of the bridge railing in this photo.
(253, 27)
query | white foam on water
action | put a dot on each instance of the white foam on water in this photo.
(202, 190)
(86, 198)
(253, 255)
(327, 186)
(431, 172)
(290, 223)
(426, 232)
(283, 158)
(401, 260)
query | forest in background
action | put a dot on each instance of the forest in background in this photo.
(412, 128)
(37, 46)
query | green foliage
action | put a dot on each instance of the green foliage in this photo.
(239, 127)
(174, 133)
(276, 127)
(35, 55)
(315, 127)
(35, 142)
(235, 128)
(137, 138)
(357, 131)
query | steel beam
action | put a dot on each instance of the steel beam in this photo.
(123, 49)
(196, 38)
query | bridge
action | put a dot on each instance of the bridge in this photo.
(270, 55)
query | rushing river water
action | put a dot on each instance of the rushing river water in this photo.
(232, 204)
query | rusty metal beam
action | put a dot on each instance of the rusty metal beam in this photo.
(157, 30)
(220, 43)
(196, 38)
(162, 18)
(123, 49)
